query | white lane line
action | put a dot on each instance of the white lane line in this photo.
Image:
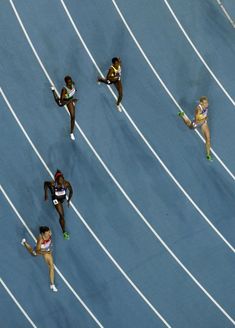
(146, 142)
(226, 13)
(126, 196)
(81, 218)
(56, 268)
(17, 304)
(164, 85)
(198, 53)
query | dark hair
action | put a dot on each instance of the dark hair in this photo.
(114, 59)
(43, 229)
(58, 174)
(67, 79)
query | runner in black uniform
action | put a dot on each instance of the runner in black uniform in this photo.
(114, 77)
(66, 98)
(58, 189)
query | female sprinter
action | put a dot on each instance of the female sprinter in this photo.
(58, 189)
(200, 120)
(114, 77)
(43, 247)
(66, 98)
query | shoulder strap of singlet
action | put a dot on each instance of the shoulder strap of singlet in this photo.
(67, 89)
(115, 70)
(199, 105)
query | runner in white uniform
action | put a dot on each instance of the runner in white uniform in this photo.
(200, 120)
(114, 77)
(66, 98)
(44, 248)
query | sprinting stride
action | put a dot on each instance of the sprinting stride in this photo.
(200, 120)
(44, 248)
(58, 188)
(114, 77)
(66, 99)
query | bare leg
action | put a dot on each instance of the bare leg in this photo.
(71, 109)
(186, 120)
(102, 80)
(206, 133)
(57, 99)
(29, 249)
(118, 85)
(60, 210)
(49, 261)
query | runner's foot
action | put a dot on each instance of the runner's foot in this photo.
(53, 288)
(66, 235)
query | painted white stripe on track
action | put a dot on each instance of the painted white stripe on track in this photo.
(82, 219)
(17, 304)
(198, 53)
(56, 268)
(229, 18)
(120, 188)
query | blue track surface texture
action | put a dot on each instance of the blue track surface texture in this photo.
(164, 254)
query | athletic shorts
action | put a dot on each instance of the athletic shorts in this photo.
(197, 125)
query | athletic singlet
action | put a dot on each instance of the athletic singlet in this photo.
(69, 92)
(59, 192)
(203, 117)
(46, 244)
(117, 71)
(204, 112)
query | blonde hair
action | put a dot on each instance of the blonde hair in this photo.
(203, 98)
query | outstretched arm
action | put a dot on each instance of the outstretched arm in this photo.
(38, 246)
(47, 185)
(68, 185)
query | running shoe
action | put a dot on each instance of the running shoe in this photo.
(23, 241)
(181, 114)
(72, 136)
(209, 158)
(53, 288)
(119, 108)
(66, 235)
